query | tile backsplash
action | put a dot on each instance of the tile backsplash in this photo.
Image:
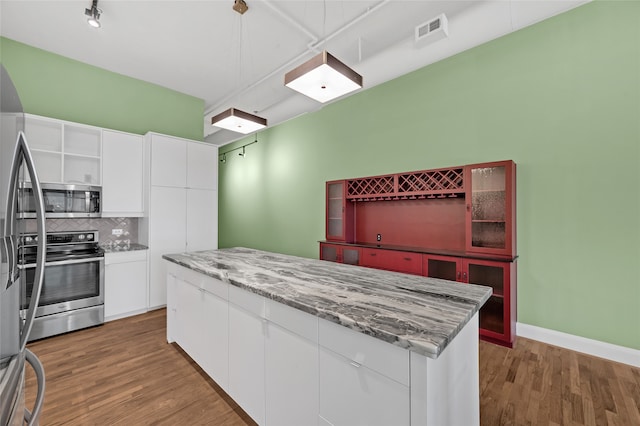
(128, 225)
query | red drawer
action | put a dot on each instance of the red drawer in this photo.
(391, 260)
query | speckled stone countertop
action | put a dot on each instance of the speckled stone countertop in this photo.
(417, 313)
(124, 247)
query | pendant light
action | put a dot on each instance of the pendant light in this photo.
(323, 78)
(238, 121)
(233, 119)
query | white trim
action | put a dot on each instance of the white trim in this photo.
(580, 344)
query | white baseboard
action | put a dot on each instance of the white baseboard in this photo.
(580, 344)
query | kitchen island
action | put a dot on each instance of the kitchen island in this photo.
(303, 341)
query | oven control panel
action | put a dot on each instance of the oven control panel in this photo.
(70, 237)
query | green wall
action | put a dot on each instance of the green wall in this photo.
(54, 86)
(561, 98)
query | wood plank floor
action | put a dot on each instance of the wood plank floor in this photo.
(124, 373)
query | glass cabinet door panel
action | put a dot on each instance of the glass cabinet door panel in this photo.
(488, 234)
(335, 210)
(490, 276)
(488, 207)
(335, 227)
(492, 315)
(351, 256)
(329, 253)
(443, 269)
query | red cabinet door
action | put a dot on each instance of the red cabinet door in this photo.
(498, 315)
(490, 193)
(339, 214)
(391, 260)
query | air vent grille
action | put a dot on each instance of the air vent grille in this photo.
(432, 30)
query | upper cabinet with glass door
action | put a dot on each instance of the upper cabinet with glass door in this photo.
(65, 152)
(339, 226)
(491, 205)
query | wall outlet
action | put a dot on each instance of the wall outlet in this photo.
(379, 237)
(117, 232)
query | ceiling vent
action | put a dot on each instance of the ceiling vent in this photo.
(433, 30)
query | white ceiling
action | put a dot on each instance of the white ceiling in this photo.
(205, 49)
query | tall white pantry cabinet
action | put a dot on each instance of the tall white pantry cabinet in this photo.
(181, 187)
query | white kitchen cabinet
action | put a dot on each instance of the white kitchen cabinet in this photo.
(125, 283)
(179, 217)
(122, 175)
(167, 235)
(215, 359)
(200, 174)
(352, 394)
(168, 160)
(291, 366)
(65, 152)
(363, 380)
(246, 352)
(202, 219)
(198, 320)
(189, 305)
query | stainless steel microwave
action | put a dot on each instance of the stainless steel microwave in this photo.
(62, 201)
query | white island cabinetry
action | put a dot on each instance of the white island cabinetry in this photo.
(247, 327)
(289, 367)
(193, 300)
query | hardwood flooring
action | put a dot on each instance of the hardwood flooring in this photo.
(124, 373)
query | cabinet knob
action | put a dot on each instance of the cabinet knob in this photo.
(407, 258)
(372, 254)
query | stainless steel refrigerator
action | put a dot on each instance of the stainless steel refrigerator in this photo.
(16, 167)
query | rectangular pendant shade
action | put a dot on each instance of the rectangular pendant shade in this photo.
(323, 78)
(238, 121)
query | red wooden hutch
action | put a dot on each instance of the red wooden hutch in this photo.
(456, 223)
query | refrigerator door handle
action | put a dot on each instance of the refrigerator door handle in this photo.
(22, 152)
(32, 417)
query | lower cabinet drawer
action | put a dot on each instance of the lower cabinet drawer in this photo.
(352, 394)
(391, 260)
(388, 360)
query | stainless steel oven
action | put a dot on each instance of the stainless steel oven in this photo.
(61, 201)
(72, 294)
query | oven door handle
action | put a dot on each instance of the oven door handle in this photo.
(64, 262)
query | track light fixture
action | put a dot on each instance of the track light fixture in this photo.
(93, 15)
(242, 154)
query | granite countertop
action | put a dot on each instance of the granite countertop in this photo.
(417, 313)
(117, 248)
